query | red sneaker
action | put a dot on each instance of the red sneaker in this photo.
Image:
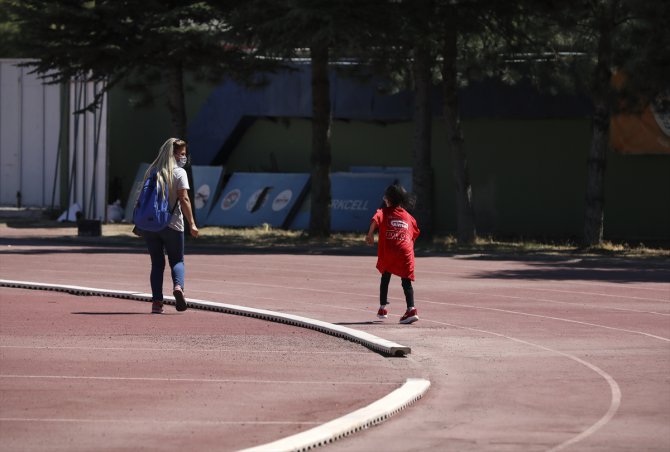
(410, 316)
(382, 313)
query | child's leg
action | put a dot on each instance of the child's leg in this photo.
(409, 292)
(384, 288)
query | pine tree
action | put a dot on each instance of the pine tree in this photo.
(116, 40)
(323, 30)
(586, 42)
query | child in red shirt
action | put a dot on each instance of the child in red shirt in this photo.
(395, 250)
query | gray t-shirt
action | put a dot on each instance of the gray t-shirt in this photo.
(179, 182)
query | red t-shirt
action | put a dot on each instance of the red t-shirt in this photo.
(397, 233)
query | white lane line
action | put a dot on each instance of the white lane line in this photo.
(186, 350)
(195, 380)
(627, 297)
(619, 285)
(560, 319)
(465, 275)
(585, 305)
(154, 421)
(615, 390)
(581, 305)
(506, 311)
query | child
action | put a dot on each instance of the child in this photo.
(395, 250)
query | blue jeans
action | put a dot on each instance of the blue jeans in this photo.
(170, 242)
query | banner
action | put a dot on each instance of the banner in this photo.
(207, 181)
(251, 199)
(645, 133)
(355, 199)
(648, 133)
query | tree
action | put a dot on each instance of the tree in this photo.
(328, 29)
(422, 51)
(9, 35)
(404, 54)
(461, 41)
(112, 41)
(590, 40)
(465, 218)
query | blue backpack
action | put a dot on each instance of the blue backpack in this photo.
(152, 211)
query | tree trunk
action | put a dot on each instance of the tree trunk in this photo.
(422, 175)
(319, 221)
(177, 107)
(465, 216)
(175, 101)
(595, 183)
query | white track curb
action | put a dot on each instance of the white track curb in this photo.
(368, 340)
(411, 391)
(375, 413)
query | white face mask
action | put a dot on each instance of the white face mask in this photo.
(181, 162)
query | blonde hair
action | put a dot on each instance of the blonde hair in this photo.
(164, 164)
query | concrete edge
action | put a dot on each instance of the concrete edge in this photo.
(367, 340)
(379, 411)
(411, 391)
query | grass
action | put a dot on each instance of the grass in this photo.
(526, 246)
(266, 237)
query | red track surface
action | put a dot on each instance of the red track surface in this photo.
(522, 355)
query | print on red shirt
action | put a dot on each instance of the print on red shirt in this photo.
(397, 233)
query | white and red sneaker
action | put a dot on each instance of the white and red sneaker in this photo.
(410, 316)
(382, 313)
(157, 307)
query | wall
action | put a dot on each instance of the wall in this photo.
(136, 134)
(49, 155)
(29, 132)
(528, 176)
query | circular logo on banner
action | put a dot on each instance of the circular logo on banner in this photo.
(282, 200)
(201, 196)
(251, 202)
(230, 199)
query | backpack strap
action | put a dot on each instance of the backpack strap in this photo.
(175, 206)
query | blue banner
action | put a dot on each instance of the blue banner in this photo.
(251, 199)
(206, 184)
(355, 199)
(403, 174)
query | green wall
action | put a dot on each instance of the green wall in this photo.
(528, 176)
(136, 134)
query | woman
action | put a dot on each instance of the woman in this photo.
(169, 169)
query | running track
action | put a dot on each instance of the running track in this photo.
(542, 354)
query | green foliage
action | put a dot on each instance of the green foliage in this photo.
(284, 28)
(111, 40)
(9, 33)
(565, 46)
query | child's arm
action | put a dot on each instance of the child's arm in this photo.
(370, 238)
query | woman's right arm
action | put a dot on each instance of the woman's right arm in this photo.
(185, 204)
